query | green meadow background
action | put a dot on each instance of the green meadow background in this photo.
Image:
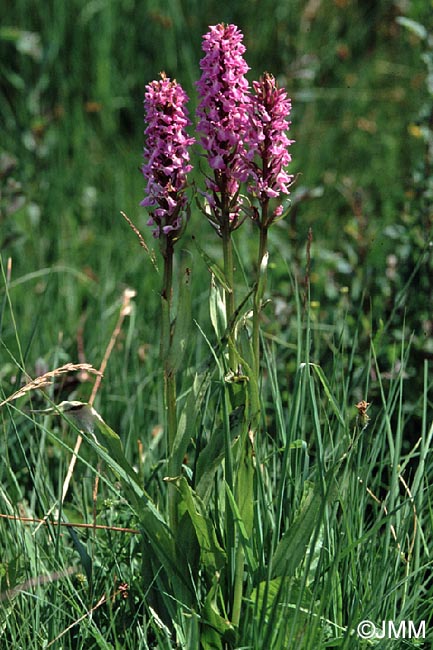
(354, 253)
(72, 82)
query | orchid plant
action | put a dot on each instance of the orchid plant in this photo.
(166, 168)
(243, 134)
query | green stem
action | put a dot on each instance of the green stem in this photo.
(253, 416)
(229, 276)
(169, 372)
(258, 295)
(234, 548)
(230, 532)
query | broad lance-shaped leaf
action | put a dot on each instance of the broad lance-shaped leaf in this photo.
(212, 555)
(108, 446)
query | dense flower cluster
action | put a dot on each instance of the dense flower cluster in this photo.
(267, 142)
(166, 155)
(243, 133)
(222, 115)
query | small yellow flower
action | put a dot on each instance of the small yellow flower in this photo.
(414, 130)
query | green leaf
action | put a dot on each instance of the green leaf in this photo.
(293, 545)
(209, 459)
(333, 402)
(85, 558)
(217, 309)
(212, 455)
(216, 629)
(283, 595)
(211, 554)
(152, 521)
(245, 536)
(187, 421)
(108, 446)
(192, 630)
(213, 268)
(245, 487)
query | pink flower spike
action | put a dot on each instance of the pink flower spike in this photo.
(166, 156)
(267, 143)
(222, 117)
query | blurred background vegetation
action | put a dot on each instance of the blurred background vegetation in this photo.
(72, 83)
(72, 78)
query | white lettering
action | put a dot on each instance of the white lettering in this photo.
(391, 630)
(416, 634)
(396, 633)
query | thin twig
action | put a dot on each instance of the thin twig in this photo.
(123, 590)
(405, 557)
(125, 310)
(140, 239)
(100, 602)
(68, 524)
